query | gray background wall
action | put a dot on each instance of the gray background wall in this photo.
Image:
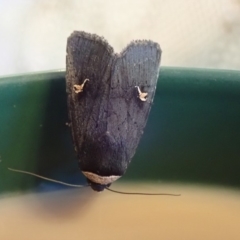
(191, 33)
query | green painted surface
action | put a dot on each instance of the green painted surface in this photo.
(193, 132)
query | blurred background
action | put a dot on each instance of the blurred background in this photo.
(201, 34)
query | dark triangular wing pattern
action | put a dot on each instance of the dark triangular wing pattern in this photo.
(88, 57)
(137, 65)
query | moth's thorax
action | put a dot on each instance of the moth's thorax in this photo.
(102, 180)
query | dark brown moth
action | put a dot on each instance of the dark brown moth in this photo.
(109, 100)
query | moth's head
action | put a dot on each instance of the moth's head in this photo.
(99, 183)
(97, 186)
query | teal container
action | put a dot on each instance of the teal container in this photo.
(192, 135)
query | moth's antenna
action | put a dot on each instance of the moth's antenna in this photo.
(48, 179)
(146, 194)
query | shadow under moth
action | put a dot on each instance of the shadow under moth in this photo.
(109, 100)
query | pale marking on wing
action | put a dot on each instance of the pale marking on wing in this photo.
(100, 179)
(142, 95)
(79, 88)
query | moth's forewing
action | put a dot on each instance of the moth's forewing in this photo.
(107, 116)
(88, 57)
(137, 65)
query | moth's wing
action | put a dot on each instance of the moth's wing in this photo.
(88, 57)
(137, 65)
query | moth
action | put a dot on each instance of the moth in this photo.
(109, 98)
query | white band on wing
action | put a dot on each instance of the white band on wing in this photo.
(100, 179)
